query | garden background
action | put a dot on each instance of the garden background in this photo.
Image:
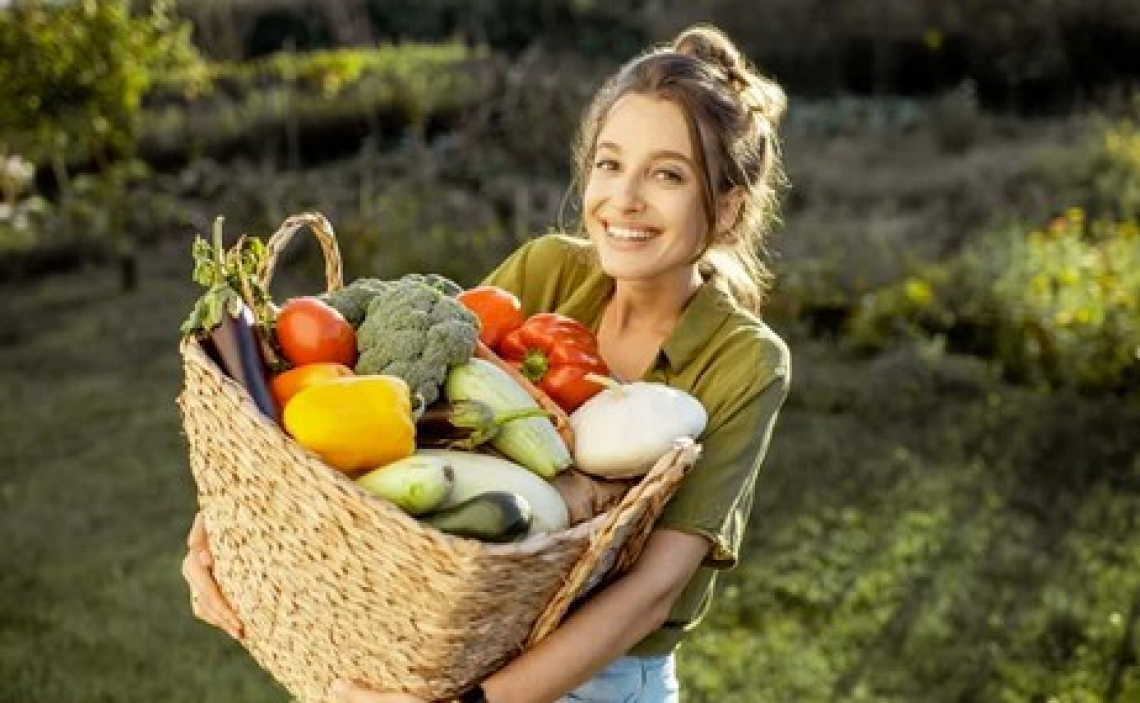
(951, 507)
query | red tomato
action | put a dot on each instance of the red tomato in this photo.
(289, 383)
(310, 330)
(498, 310)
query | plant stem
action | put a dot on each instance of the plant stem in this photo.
(604, 381)
(534, 365)
(219, 251)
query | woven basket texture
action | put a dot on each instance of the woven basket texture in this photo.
(331, 582)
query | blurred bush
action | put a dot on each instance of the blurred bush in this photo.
(312, 107)
(1065, 300)
(956, 119)
(1113, 176)
(1058, 305)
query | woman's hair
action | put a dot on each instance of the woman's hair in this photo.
(732, 114)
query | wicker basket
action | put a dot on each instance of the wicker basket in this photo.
(331, 582)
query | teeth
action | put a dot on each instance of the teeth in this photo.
(630, 234)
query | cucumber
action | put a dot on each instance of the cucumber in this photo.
(495, 516)
(530, 441)
(416, 484)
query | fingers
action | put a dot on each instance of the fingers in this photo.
(206, 600)
(197, 537)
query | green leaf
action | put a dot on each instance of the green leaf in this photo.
(205, 267)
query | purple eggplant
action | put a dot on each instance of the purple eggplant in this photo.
(234, 345)
(222, 319)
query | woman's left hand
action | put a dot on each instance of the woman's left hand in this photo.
(349, 692)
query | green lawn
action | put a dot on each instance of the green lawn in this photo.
(929, 534)
(96, 496)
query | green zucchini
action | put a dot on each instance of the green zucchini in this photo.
(530, 441)
(495, 516)
(416, 484)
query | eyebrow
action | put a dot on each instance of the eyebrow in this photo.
(659, 154)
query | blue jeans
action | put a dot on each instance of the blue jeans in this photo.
(630, 680)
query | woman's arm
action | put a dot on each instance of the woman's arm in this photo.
(603, 629)
(606, 626)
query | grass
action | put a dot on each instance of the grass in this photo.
(95, 500)
(927, 533)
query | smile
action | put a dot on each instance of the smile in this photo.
(629, 234)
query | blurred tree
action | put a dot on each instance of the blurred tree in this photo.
(74, 73)
(72, 78)
(1028, 57)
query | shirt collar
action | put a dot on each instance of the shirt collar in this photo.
(706, 312)
(703, 317)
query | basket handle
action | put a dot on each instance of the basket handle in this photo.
(637, 511)
(320, 227)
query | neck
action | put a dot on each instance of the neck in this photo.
(650, 306)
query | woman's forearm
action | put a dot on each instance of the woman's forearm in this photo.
(605, 627)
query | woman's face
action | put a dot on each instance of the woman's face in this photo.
(643, 206)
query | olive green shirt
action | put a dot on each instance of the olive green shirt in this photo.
(727, 358)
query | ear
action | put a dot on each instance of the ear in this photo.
(730, 205)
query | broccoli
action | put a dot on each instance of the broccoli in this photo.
(441, 283)
(352, 301)
(415, 331)
(445, 336)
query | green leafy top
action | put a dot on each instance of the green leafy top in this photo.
(231, 279)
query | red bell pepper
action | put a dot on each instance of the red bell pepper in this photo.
(555, 352)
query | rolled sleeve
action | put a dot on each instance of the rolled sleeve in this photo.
(715, 499)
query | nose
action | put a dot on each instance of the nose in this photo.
(627, 195)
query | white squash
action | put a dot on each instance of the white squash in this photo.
(476, 473)
(622, 431)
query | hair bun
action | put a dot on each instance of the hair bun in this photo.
(761, 95)
(712, 45)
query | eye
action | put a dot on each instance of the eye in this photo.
(606, 164)
(670, 175)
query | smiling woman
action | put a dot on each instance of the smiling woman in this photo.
(677, 162)
(643, 198)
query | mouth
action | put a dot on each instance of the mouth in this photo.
(629, 233)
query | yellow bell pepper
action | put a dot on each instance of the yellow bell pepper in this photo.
(354, 423)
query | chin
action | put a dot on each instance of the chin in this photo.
(626, 270)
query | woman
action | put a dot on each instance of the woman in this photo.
(677, 159)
